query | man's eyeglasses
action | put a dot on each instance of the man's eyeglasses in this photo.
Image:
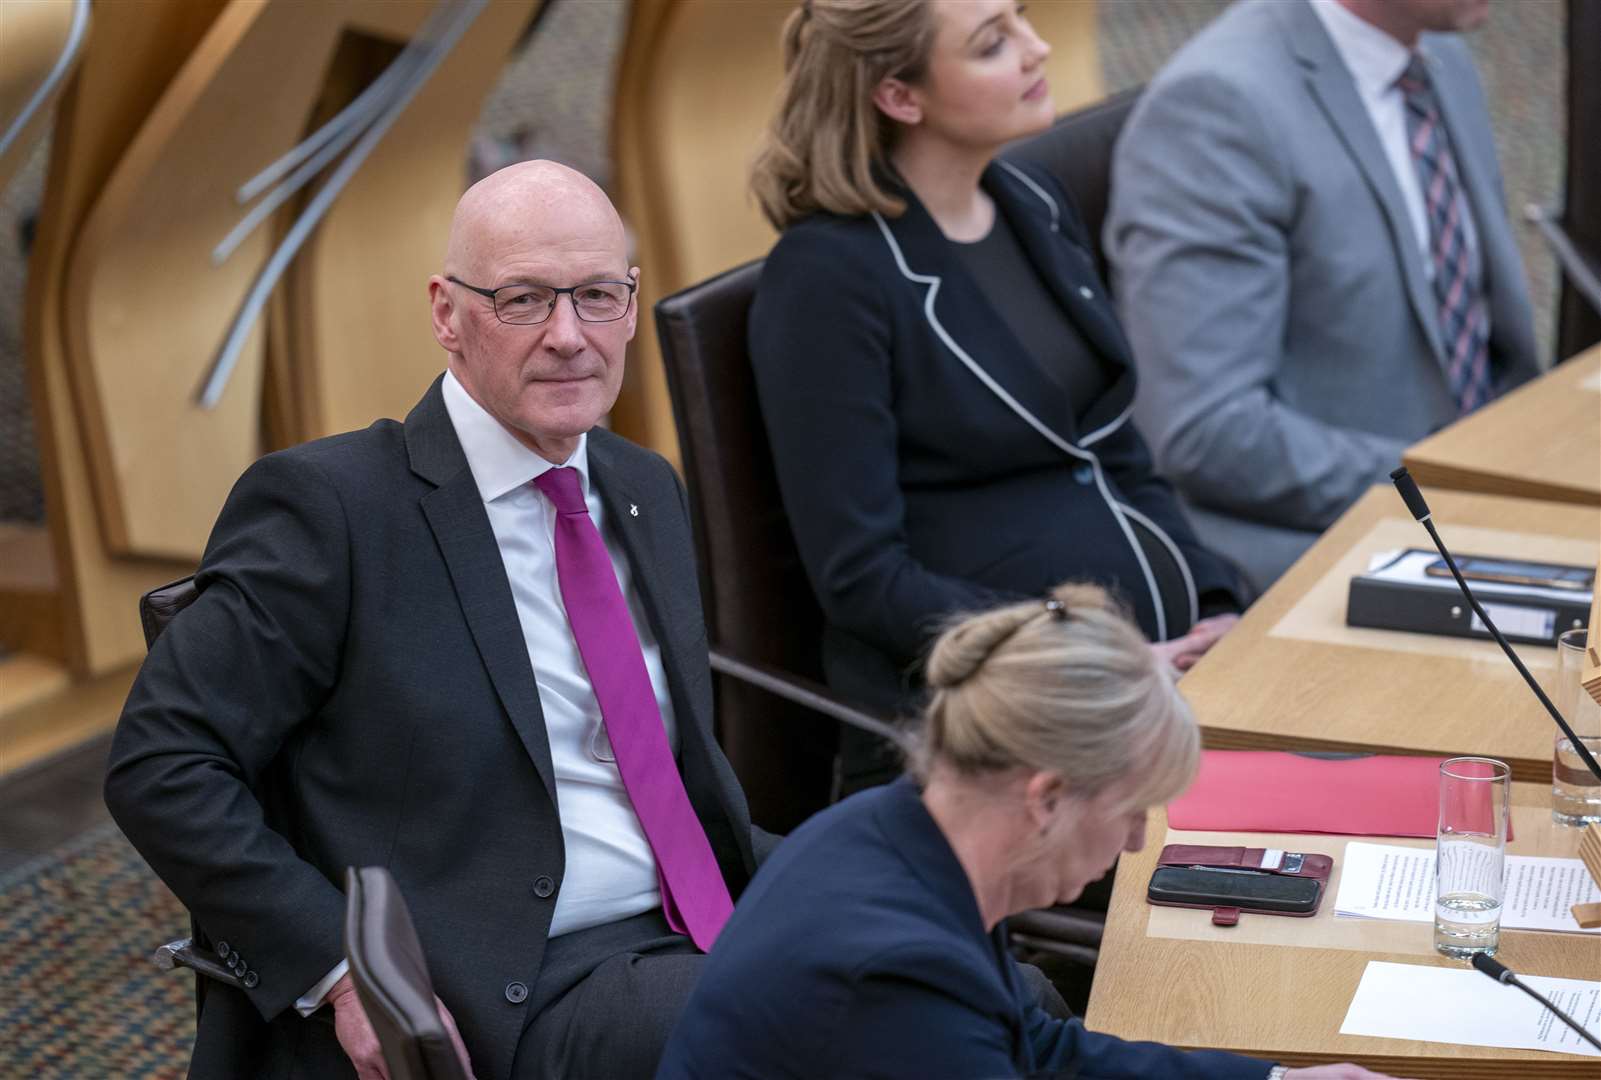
(520, 305)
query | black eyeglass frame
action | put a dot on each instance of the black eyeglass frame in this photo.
(556, 295)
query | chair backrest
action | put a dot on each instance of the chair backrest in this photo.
(158, 607)
(391, 977)
(1077, 150)
(758, 603)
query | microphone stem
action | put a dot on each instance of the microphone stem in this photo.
(1566, 1019)
(1573, 740)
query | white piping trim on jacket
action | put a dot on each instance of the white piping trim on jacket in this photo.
(933, 282)
(1178, 557)
(1028, 181)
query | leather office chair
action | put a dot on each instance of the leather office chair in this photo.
(1077, 150)
(157, 608)
(391, 977)
(762, 619)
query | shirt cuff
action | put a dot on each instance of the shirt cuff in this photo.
(311, 1000)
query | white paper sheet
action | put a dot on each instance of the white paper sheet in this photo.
(1388, 881)
(1459, 1005)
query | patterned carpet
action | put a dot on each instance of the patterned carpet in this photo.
(79, 1000)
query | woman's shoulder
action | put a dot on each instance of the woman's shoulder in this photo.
(822, 241)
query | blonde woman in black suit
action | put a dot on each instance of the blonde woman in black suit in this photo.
(945, 384)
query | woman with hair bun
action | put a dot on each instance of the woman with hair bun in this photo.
(873, 941)
(945, 384)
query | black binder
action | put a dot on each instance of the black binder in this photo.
(1436, 606)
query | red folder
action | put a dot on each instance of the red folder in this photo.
(1269, 791)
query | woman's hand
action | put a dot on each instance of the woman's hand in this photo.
(1183, 652)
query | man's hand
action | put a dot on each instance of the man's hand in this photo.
(1183, 652)
(360, 1043)
(1334, 1072)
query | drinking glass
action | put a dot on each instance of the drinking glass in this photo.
(1470, 855)
(1575, 792)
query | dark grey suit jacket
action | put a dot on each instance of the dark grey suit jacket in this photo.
(352, 687)
(1270, 281)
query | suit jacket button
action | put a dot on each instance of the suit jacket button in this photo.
(223, 950)
(516, 992)
(1084, 474)
(543, 887)
(250, 979)
(236, 964)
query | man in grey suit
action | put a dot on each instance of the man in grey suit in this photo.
(1313, 261)
(469, 648)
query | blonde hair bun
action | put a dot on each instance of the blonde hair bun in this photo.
(1067, 684)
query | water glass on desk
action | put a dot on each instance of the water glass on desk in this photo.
(1470, 855)
(1575, 792)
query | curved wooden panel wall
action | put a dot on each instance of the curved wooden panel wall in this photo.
(695, 85)
(173, 106)
(33, 36)
(146, 308)
(132, 53)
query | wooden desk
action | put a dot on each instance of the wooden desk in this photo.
(1542, 441)
(1293, 676)
(1279, 988)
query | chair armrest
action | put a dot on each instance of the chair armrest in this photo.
(803, 692)
(185, 953)
(1579, 269)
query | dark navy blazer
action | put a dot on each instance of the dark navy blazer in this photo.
(858, 951)
(928, 465)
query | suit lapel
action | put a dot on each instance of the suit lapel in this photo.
(1067, 267)
(963, 319)
(1331, 85)
(455, 512)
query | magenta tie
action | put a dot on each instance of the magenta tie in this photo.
(694, 897)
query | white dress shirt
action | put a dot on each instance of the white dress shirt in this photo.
(1375, 61)
(610, 870)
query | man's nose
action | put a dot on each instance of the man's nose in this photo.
(564, 331)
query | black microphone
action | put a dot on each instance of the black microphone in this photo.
(1413, 498)
(1504, 975)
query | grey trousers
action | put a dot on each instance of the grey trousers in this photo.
(607, 998)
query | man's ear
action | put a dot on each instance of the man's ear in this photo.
(898, 100)
(633, 309)
(442, 308)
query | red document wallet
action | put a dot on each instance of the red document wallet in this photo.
(1231, 880)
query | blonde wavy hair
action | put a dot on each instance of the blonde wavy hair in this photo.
(1068, 686)
(825, 146)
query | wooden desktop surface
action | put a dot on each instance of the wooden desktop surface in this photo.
(1293, 676)
(1542, 441)
(1278, 988)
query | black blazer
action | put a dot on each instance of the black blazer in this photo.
(914, 486)
(354, 659)
(859, 951)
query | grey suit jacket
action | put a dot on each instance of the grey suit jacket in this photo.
(1281, 317)
(352, 687)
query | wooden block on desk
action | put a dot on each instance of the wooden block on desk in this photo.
(1588, 916)
(1590, 851)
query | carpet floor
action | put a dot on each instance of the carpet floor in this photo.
(79, 998)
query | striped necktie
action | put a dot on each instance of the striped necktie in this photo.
(1463, 315)
(694, 897)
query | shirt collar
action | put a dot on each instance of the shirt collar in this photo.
(499, 461)
(1374, 58)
